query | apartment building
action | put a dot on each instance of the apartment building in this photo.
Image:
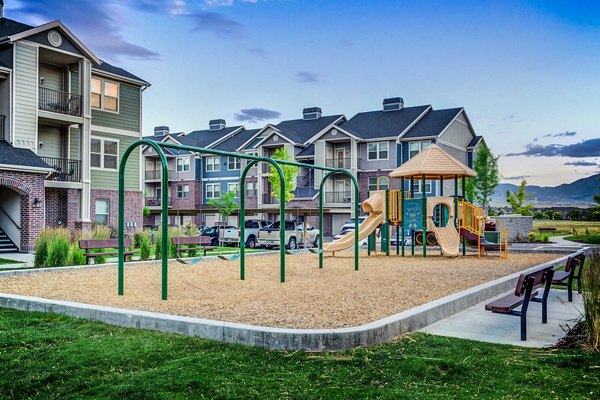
(66, 118)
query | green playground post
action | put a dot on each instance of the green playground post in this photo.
(424, 215)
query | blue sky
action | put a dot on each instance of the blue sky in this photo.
(526, 72)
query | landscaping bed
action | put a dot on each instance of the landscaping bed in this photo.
(334, 297)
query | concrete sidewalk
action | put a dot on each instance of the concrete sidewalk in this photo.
(478, 324)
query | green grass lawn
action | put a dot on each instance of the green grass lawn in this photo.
(46, 356)
(589, 239)
(7, 261)
(567, 227)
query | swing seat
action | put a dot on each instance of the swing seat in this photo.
(192, 262)
(292, 252)
(315, 250)
(231, 257)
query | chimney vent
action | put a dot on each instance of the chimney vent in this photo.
(216, 124)
(159, 130)
(311, 113)
(393, 104)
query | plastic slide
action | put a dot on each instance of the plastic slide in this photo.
(448, 239)
(375, 206)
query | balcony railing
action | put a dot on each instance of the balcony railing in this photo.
(268, 199)
(157, 174)
(59, 102)
(65, 170)
(338, 163)
(337, 197)
(155, 202)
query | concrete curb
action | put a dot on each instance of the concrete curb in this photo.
(278, 338)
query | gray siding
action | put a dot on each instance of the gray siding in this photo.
(26, 88)
(319, 160)
(128, 117)
(109, 179)
(367, 165)
(271, 141)
(53, 76)
(51, 136)
(74, 79)
(74, 144)
(460, 155)
(458, 134)
(66, 44)
(338, 136)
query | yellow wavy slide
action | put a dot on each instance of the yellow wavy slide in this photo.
(375, 206)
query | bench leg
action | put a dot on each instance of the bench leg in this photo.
(524, 326)
(570, 288)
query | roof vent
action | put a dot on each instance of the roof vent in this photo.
(161, 130)
(216, 124)
(393, 104)
(312, 113)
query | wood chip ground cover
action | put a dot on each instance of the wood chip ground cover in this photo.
(334, 297)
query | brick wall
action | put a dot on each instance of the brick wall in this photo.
(63, 204)
(133, 208)
(30, 187)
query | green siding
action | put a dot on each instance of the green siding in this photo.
(109, 179)
(74, 132)
(74, 81)
(128, 117)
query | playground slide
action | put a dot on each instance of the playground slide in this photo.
(375, 206)
(448, 239)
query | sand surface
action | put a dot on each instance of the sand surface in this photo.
(334, 297)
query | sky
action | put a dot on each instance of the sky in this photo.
(526, 72)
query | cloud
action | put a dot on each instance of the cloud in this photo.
(217, 24)
(258, 51)
(563, 134)
(517, 178)
(256, 114)
(96, 23)
(582, 163)
(586, 148)
(511, 116)
(307, 77)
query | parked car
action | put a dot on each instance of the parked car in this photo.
(251, 228)
(213, 232)
(361, 243)
(350, 223)
(294, 235)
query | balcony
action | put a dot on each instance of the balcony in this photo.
(156, 175)
(155, 202)
(268, 199)
(338, 163)
(65, 170)
(59, 102)
(337, 197)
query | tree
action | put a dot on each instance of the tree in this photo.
(575, 214)
(538, 215)
(516, 200)
(556, 215)
(226, 205)
(488, 177)
(597, 199)
(469, 189)
(289, 176)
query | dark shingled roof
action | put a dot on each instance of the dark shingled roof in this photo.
(253, 143)
(235, 141)
(379, 124)
(474, 141)
(307, 152)
(10, 27)
(111, 69)
(433, 123)
(160, 138)
(10, 155)
(205, 137)
(300, 130)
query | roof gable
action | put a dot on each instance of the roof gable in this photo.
(432, 124)
(207, 138)
(300, 131)
(383, 124)
(236, 140)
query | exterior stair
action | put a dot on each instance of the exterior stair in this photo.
(7, 245)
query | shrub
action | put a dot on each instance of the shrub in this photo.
(101, 231)
(173, 232)
(531, 237)
(591, 300)
(59, 248)
(77, 257)
(143, 243)
(519, 237)
(538, 215)
(545, 238)
(42, 245)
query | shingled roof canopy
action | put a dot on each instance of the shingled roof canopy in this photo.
(433, 163)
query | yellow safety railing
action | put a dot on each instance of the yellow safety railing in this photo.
(471, 217)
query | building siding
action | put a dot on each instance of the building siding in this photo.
(74, 144)
(128, 117)
(367, 165)
(457, 133)
(51, 137)
(109, 179)
(25, 111)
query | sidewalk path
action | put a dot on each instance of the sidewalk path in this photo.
(478, 324)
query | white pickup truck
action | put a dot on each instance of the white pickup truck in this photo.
(231, 236)
(294, 235)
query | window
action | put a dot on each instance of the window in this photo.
(213, 164)
(234, 163)
(105, 95)
(378, 151)
(234, 187)
(417, 186)
(101, 212)
(416, 147)
(373, 183)
(104, 153)
(183, 191)
(183, 164)
(213, 190)
(251, 189)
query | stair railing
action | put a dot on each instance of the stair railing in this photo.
(9, 217)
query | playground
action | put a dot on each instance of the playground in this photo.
(333, 297)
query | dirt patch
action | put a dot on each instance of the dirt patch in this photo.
(334, 297)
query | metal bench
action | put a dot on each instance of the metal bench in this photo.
(183, 244)
(573, 269)
(101, 244)
(525, 292)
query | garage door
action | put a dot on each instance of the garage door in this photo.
(210, 219)
(337, 221)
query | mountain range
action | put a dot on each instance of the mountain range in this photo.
(577, 193)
